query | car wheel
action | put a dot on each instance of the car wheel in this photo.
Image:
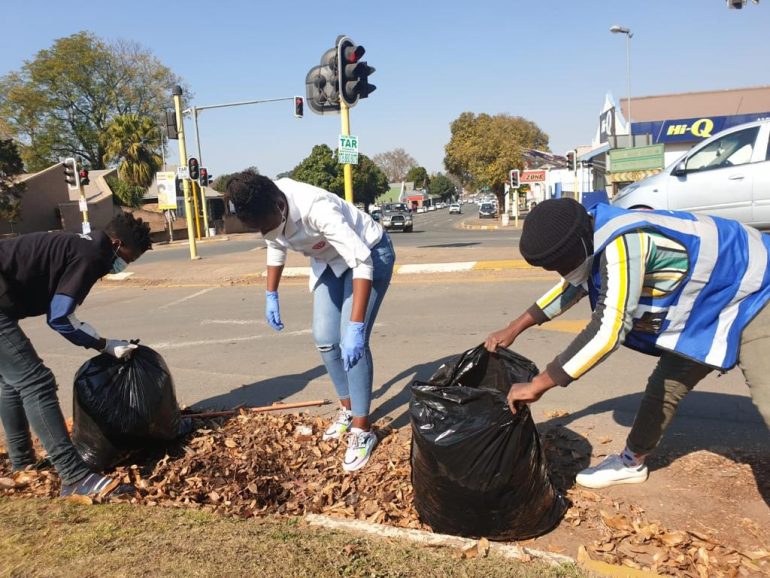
(407, 229)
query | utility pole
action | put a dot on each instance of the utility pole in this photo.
(347, 169)
(202, 185)
(177, 94)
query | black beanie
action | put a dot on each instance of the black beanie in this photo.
(552, 232)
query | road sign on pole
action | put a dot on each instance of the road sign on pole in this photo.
(348, 150)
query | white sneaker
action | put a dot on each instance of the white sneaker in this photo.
(340, 425)
(360, 446)
(610, 472)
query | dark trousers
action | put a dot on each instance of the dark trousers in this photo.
(28, 398)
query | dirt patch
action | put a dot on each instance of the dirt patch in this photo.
(253, 465)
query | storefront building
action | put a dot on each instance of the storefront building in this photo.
(663, 129)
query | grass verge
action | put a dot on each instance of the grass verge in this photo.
(55, 538)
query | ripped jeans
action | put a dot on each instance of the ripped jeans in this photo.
(332, 304)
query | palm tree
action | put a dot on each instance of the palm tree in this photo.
(133, 142)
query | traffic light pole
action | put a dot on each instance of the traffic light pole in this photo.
(84, 210)
(202, 189)
(347, 170)
(194, 110)
(177, 94)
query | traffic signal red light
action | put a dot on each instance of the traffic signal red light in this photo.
(83, 174)
(353, 72)
(204, 177)
(299, 106)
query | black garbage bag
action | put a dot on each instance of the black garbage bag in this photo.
(477, 469)
(121, 405)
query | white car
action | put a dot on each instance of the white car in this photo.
(455, 208)
(727, 175)
(422, 209)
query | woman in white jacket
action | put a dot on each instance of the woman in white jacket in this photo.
(352, 264)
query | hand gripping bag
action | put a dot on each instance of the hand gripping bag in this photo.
(477, 469)
(121, 405)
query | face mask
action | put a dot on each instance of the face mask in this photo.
(273, 234)
(118, 265)
(580, 274)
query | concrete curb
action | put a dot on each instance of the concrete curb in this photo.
(430, 539)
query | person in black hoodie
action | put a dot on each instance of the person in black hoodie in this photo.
(51, 274)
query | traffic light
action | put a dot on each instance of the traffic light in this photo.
(322, 85)
(71, 174)
(353, 72)
(514, 179)
(571, 160)
(83, 174)
(299, 106)
(193, 168)
(203, 179)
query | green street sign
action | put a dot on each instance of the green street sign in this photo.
(636, 159)
(347, 153)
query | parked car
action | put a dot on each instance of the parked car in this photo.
(422, 209)
(397, 216)
(727, 175)
(487, 210)
(455, 208)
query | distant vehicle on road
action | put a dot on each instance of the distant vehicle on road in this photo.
(487, 210)
(397, 216)
(727, 175)
(376, 214)
(455, 208)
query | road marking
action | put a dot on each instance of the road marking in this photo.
(182, 344)
(183, 299)
(122, 276)
(436, 268)
(502, 265)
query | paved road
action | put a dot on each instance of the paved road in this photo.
(222, 353)
(434, 229)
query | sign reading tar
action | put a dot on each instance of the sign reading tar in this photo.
(348, 150)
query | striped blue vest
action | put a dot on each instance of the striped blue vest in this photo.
(727, 284)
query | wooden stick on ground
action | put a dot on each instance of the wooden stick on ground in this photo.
(261, 409)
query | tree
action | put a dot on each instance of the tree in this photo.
(483, 149)
(321, 169)
(11, 190)
(60, 103)
(418, 176)
(132, 141)
(395, 164)
(124, 193)
(441, 186)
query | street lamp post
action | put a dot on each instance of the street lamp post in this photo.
(627, 31)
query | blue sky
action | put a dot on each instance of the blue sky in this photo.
(551, 62)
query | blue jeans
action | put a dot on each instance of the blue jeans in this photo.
(28, 398)
(332, 305)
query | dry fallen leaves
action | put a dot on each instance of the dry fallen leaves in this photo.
(251, 465)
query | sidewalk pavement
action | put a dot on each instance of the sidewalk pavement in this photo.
(248, 267)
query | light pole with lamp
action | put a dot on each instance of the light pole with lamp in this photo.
(627, 31)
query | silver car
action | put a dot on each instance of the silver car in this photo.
(727, 175)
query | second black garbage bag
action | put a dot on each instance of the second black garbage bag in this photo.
(477, 469)
(121, 405)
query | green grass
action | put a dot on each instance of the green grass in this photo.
(55, 538)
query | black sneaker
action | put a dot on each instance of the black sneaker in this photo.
(96, 485)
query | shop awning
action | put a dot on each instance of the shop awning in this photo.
(630, 176)
(601, 149)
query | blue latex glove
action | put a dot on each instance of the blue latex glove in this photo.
(272, 310)
(352, 345)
